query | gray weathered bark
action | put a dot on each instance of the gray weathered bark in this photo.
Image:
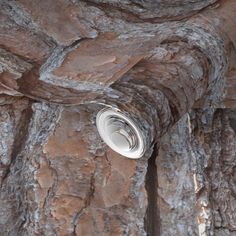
(196, 167)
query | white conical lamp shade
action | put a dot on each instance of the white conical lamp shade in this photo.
(120, 133)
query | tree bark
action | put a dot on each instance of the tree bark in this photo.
(196, 167)
(170, 65)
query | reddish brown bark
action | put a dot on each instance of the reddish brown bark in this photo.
(155, 60)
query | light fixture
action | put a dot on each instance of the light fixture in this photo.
(120, 133)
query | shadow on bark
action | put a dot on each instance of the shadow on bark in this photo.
(152, 217)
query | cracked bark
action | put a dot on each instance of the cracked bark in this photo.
(192, 172)
(87, 203)
(154, 59)
(195, 163)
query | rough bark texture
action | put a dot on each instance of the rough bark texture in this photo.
(196, 167)
(170, 65)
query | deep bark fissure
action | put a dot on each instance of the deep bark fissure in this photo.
(152, 217)
(87, 203)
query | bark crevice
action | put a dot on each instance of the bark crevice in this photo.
(152, 218)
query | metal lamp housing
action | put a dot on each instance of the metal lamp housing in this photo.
(120, 133)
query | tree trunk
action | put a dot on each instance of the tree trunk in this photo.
(196, 173)
(171, 65)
